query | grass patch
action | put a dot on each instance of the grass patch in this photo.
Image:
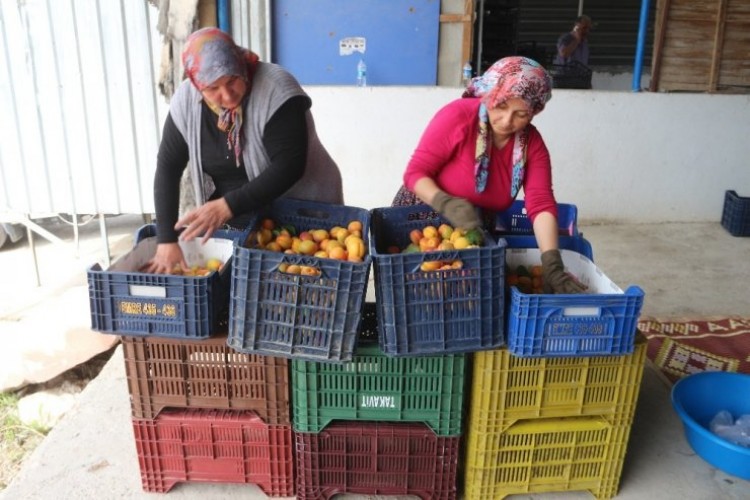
(17, 439)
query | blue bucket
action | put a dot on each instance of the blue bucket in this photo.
(697, 399)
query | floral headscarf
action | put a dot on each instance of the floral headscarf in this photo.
(210, 54)
(510, 77)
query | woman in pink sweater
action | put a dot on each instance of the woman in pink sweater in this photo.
(481, 150)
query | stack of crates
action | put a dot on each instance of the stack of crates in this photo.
(552, 411)
(200, 410)
(364, 423)
(378, 425)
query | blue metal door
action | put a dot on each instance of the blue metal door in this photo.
(322, 41)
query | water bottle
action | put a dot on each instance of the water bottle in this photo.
(361, 73)
(466, 74)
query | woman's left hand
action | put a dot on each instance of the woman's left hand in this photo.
(204, 220)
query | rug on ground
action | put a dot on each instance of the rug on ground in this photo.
(681, 347)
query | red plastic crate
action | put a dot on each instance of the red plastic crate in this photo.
(375, 458)
(204, 374)
(220, 446)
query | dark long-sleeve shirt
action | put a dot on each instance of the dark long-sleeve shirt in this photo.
(285, 141)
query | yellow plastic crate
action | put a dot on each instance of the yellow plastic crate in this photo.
(546, 455)
(507, 388)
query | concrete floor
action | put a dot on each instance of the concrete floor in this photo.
(694, 270)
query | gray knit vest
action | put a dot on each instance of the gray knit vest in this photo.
(272, 86)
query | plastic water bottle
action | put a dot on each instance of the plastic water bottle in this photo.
(361, 74)
(466, 74)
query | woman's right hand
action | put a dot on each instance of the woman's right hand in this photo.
(168, 256)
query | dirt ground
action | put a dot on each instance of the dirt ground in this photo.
(18, 440)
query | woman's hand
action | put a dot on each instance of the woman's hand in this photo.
(168, 257)
(458, 211)
(554, 277)
(204, 220)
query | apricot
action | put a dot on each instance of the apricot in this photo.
(273, 247)
(213, 264)
(430, 232)
(294, 269)
(264, 237)
(338, 253)
(354, 225)
(445, 231)
(415, 235)
(460, 243)
(309, 271)
(284, 241)
(432, 265)
(446, 245)
(308, 247)
(319, 235)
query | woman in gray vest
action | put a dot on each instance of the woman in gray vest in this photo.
(245, 129)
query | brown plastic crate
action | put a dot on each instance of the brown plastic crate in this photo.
(204, 374)
(376, 458)
(220, 446)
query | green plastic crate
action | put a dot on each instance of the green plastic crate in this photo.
(375, 387)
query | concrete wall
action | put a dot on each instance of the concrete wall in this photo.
(617, 155)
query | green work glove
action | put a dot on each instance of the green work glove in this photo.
(458, 211)
(556, 280)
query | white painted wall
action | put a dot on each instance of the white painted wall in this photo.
(617, 155)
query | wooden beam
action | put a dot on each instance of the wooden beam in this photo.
(661, 31)
(721, 18)
(467, 20)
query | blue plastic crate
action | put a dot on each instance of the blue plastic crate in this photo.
(124, 301)
(307, 317)
(588, 324)
(735, 217)
(515, 221)
(149, 231)
(578, 244)
(439, 312)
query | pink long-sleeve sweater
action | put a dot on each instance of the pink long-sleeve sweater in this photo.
(446, 153)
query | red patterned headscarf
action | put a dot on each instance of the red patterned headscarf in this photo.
(210, 54)
(510, 77)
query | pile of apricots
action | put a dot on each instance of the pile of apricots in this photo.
(338, 243)
(528, 279)
(441, 238)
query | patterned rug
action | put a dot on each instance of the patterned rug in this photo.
(681, 347)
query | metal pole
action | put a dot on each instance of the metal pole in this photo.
(32, 247)
(222, 13)
(642, 26)
(480, 33)
(105, 240)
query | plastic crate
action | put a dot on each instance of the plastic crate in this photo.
(515, 221)
(735, 217)
(601, 322)
(205, 373)
(574, 75)
(124, 301)
(577, 244)
(306, 317)
(439, 312)
(219, 446)
(149, 231)
(547, 455)
(376, 459)
(506, 388)
(374, 387)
